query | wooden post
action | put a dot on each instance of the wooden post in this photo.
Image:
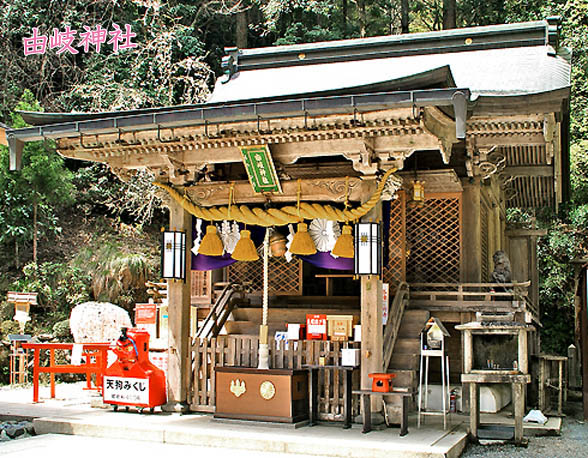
(523, 354)
(372, 335)
(584, 340)
(468, 356)
(472, 237)
(179, 295)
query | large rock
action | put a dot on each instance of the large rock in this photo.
(98, 322)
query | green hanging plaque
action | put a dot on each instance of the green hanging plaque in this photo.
(260, 169)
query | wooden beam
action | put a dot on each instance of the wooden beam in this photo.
(323, 189)
(528, 170)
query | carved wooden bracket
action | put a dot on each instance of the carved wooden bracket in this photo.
(437, 123)
(364, 159)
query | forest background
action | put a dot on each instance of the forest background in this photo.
(73, 232)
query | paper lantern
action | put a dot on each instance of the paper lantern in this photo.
(368, 249)
(173, 255)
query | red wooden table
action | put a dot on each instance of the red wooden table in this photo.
(95, 363)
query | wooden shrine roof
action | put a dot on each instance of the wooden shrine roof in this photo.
(375, 101)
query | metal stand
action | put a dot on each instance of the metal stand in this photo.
(425, 355)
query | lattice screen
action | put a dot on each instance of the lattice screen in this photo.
(285, 278)
(395, 271)
(434, 241)
(484, 240)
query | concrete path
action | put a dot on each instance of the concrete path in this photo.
(72, 415)
(58, 446)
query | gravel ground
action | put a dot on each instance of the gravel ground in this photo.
(573, 442)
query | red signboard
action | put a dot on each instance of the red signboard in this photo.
(316, 327)
(145, 314)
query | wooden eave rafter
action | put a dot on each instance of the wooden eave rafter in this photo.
(523, 152)
(371, 141)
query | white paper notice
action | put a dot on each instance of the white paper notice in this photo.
(76, 354)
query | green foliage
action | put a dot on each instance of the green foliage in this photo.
(118, 276)
(32, 197)
(61, 330)
(8, 327)
(60, 286)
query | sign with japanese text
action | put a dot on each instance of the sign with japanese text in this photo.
(316, 327)
(145, 313)
(126, 390)
(260, 169)
(385, 302)
(65, 42)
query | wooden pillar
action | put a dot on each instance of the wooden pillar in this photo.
(371, 329)
(584, 338)
(372, 338)
(179, 295)
(471, 251)
(522, 252)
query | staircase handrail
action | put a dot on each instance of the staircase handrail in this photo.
(395, 313)
(224, 298)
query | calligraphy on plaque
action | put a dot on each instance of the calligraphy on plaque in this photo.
(260, 169)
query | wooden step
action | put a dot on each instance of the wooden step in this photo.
(248, 327)
(290, 315)
(404, 377)
(413, 323)
(404, 345)
(404, 361)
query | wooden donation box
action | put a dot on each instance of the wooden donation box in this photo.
(277, 395)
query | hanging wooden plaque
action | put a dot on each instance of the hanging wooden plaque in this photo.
(260, 169)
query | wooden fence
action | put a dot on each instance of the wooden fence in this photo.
(242, 351)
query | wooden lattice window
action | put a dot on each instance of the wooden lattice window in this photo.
(484, 227)
(201, 286)
(395, 270)
(433, 235)
(285, 278)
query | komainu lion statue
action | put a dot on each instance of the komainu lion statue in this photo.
(502, 272)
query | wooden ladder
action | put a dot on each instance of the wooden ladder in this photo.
(394, 319)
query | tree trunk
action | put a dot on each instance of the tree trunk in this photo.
(404, 15)
(449, 14)
(35, 206)
(362, 14)
(16, 257)
(241, 30)
(344, 14)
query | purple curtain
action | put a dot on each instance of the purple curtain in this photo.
(203, 262)
(324, 260)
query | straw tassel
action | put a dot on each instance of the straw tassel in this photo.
(302, 243)
(211, 244)
(245, 249)
(344, 245)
